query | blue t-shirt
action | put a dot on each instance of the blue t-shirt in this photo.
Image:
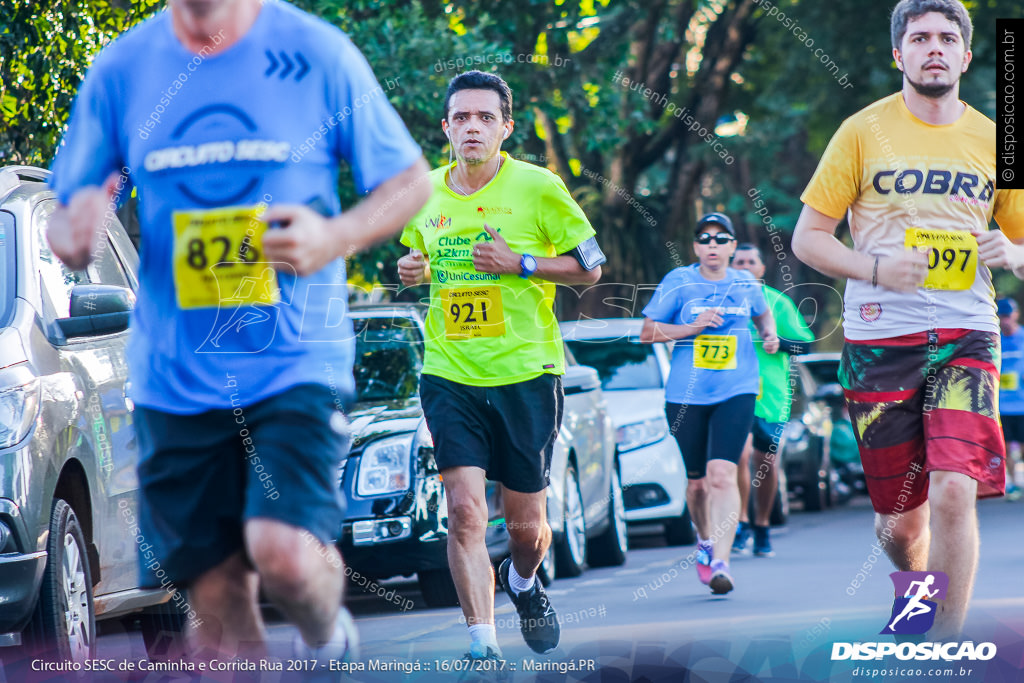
(266, 121)
(1011, 391)
(683, 295)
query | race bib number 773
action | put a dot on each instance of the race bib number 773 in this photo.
(714, 352)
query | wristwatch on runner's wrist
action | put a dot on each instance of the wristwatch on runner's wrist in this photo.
(527, 265)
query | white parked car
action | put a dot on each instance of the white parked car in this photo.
(633, 378)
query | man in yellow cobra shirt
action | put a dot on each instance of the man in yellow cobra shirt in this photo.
(915, 173)
(497, 235)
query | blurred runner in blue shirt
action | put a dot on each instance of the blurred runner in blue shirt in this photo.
(229, 116)
(706, 309)
(1011, 393)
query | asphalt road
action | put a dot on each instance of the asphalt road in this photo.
(651, 620)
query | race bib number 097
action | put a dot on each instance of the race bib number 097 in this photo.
(714, 352)
(472, 312)
(952, 256)
(218, 259)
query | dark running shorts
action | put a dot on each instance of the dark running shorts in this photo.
(766, 435)
(202, 476)
(920, 403)
(710, 432)
(1013, 428)
(508, 431)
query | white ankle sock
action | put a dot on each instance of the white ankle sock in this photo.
(484, 633)
(517, 583)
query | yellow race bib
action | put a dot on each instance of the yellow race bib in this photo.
(1009, 381)
(714, 352)
(952, 259)
(218, 259)
(472, 312)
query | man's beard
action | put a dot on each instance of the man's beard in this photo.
(932, 90)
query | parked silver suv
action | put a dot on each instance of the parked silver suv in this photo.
(68, 452)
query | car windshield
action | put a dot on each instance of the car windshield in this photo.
(389, 355)
(823, 371)
(621, 363)
(6, 265)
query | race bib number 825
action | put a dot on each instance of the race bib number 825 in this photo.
(218, 259)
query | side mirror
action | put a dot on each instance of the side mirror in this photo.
(98, 309)
(579, 379)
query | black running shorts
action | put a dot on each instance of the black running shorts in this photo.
(508, 431)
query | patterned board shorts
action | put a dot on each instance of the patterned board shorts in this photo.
(923, 402)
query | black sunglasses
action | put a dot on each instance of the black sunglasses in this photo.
(719, 238)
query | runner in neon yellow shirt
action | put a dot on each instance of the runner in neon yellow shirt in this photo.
(497, 235)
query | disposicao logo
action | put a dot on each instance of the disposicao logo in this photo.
(913, 613)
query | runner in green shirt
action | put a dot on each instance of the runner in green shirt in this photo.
(771, 412)
(493, 240)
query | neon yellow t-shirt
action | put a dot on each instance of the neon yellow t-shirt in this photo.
(487, 329)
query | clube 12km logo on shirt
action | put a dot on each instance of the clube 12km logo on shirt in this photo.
(913, 613)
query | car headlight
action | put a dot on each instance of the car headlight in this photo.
(637, 434)
(384, 466)
(19, 406)
(795, 434)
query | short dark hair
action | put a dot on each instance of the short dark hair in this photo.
(907, 10)
(750, 246)
(478, 80)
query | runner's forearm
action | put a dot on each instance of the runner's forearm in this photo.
(565, 270)
(765, 325)
(385, 210)
(653, 331)
(815, 244)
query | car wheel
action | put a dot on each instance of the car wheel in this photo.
(816, 487)
(546, 571)
(438, 588)
(609, 549)
(680, 531)
(64, 621)
(571, 549)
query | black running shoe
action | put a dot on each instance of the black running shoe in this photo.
(537, 619)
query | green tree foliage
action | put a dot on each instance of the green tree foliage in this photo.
(622, 98)
(45, 48)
